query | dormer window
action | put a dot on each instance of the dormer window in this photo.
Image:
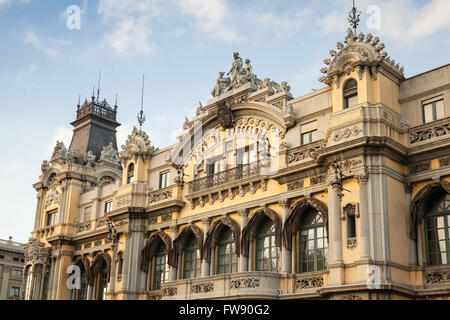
(350, 93)
(130, 177)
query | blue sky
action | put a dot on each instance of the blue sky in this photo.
(180, 45)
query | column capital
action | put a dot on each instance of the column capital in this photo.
(408, 187)
(362, 178)
(174, 228)
(284, 203)
(206, 221)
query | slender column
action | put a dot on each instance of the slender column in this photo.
(285, 253)
(335, 263)
(420, 258)
(250, 252)
(37, 219)
(56, 277)
(62, 207)
(173, 270)
(364, 217)
(294, 255)
(205, 263)
(243, 261)
(112, 285)
(32, 274)
(409, 221)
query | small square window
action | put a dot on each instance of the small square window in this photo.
(164, 179)
(51, 218)
(309, 137)
(433, 111)
(17, 272)
(108, 206)
(14, 291)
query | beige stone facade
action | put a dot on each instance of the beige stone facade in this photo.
(11, 269)
(338, 194)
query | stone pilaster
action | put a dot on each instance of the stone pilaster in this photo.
(112, 285)
(364, 217)
(411, 243)
(285, 253)
(172, 270)
(38, 217)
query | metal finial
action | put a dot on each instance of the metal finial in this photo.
(79, 100)
(141, 115)
(98, 89)
(115, 104)
(353, 17)
(93, 94)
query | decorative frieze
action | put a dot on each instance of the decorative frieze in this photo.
(169, 291)
(296, 185)
(202, 287)
(311, 282)
(52, 197)
(122, 202)
(83, 227)
(419, 167)
(154, 295)
(310, 153)
(351, 297)
(346, 133)
(160, 195)
(98, 243)
(437, 277)
(445, 162)
(318, 179)
(244, 283)
(429, 133)
(351, 243)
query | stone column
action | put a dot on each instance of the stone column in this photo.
(56, 276)
(335, 263)
(285, 253)
(250, 252)
(409, 221)
(37, 219)
(420, 258)
(243, 261)
(364, 236)
(4, 294)
(294, 255)
(205, 263)
(62, 207)
(32, 275)
(112, 285)
(173, 270)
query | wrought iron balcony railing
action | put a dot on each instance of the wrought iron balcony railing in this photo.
(100, 109)
(238, 173)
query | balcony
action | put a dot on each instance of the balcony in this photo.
(100, 109)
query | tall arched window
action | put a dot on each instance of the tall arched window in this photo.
(313, 242)
(350, 93)
(101, 281)
(81, 294)
(266, 249)
(160, 269)
(191, 261)
(437, 230)
(226, 253)
(130, 177)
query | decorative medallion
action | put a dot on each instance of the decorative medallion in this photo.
(225, 116)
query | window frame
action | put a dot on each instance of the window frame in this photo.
(227, 261)
(433, 104)
(310, 134)
(52, 222)
(108, 206)
(349, 93)
(193, 250)
(166, 181)
(160, 269)
(261, 238)
(16, 289)
(130, 173)
(305, 228)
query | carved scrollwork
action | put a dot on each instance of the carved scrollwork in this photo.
(311, 282)
(169, 291)
(160, 195)
(429, 133)
(437, 277)
(346, 133)
(244, 283)
(202, 287)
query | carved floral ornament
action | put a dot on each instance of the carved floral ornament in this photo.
(137, 144)
(35, 252)
(361, 53)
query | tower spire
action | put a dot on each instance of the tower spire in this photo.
(98, 88)
(353, 17)
(141, 115)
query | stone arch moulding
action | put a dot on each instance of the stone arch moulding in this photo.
(48, 174)
(252, 223)
(180, 241)
(297, 209)
(96, 265)
(108, 174)
(87, 267)
(419, 201)
(151, 246)
(214, 233)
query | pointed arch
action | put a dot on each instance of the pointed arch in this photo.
(296, 211)
(96, 265)
(151, 247)
(212, 238)
(249, 230)
(417, 210)
(180, 241)
(87, 268)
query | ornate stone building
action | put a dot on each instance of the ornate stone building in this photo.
(342, 193)
(11, 269)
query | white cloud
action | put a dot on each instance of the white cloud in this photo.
(122, 134)
(282, 25)
(211, 17)
(39, 44)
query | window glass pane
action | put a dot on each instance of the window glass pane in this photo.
(428, 113)
(440, 109)
(352, 101)
(314, 136)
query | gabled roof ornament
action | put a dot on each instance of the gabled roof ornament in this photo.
(353, 17)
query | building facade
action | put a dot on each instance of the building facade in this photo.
(11, 269)
(342, 193)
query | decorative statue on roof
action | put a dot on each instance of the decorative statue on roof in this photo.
(89, 159)
(236, 70)
(109, 154)
(221, 85)
(247, 75)
(59, 150)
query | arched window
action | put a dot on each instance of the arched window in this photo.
(81, 294)
(191, 261)
(226, 253)
(160, 269)
(437, 230)
(266, 249)
(130, 177)
(350, 93)
(313, 242)
(101, 281)
(119, 263)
